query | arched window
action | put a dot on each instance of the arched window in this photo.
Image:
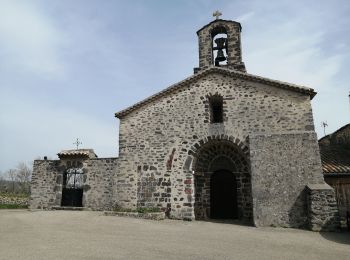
(216, 109)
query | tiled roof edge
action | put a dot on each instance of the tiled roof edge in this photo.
(229, 72)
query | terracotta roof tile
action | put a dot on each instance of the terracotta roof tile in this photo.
(335, 160)
(89, 153)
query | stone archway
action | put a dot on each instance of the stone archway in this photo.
(222, 161)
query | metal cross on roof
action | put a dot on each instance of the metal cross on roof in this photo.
(324, 125)
(77, 143)
(217, 14)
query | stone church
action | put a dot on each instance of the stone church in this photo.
(221, 144)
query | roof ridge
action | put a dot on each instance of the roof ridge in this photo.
(220, 20)
(213, 69)
(336, 131)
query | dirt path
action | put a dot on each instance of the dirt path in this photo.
(90, 235)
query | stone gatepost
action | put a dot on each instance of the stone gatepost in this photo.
(323, 214)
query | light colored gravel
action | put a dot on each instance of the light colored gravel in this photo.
(91, 235)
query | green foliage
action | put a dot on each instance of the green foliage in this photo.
(12, 206)
(123, 210)
(138, 210)
(148, 210)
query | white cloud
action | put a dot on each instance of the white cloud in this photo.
(39, 129)
(29, 41)
(295, 43)
(91, 50)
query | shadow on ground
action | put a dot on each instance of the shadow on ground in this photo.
(229, 221)
(341, 237)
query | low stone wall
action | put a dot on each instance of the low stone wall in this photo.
(99, 182)
(153, 215)
(45, 184)
(323, 214)
(11, 199)
(48, 176)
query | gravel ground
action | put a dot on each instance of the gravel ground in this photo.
(90, 235)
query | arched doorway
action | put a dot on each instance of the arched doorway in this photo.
(222, 182)
(223, 195)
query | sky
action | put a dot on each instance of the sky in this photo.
(67, 66)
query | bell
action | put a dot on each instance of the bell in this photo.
(220, 56)
(220, 42)
(220, 45)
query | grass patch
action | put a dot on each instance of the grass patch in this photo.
(12, 206)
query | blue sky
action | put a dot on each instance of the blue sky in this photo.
(67, 66)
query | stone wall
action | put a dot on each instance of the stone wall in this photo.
(99, 183)
(153, 188)
(13, 199)
(160, 135)
(322, 208)
(282, 165)
(45, 178)
(47, 182)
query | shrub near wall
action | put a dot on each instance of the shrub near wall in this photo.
(13, 201)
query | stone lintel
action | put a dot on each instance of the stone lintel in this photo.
(323, 186)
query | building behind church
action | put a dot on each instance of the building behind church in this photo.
(335, 156)
(221, 144)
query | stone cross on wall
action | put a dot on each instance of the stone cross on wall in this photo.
(217, 14)
(77, 143)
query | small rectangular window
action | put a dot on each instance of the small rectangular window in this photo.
(216, 107)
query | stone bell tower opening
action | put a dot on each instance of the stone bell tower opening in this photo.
(220, 45)
(219, 36)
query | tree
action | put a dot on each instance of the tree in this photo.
(11, 175)
(3, 186)
(23, 177)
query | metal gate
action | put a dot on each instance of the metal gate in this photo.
(72, 192)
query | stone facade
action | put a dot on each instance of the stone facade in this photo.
(176, 146)
(166, 130)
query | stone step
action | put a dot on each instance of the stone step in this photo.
(68, 208)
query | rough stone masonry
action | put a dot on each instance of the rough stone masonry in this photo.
(222, 143)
